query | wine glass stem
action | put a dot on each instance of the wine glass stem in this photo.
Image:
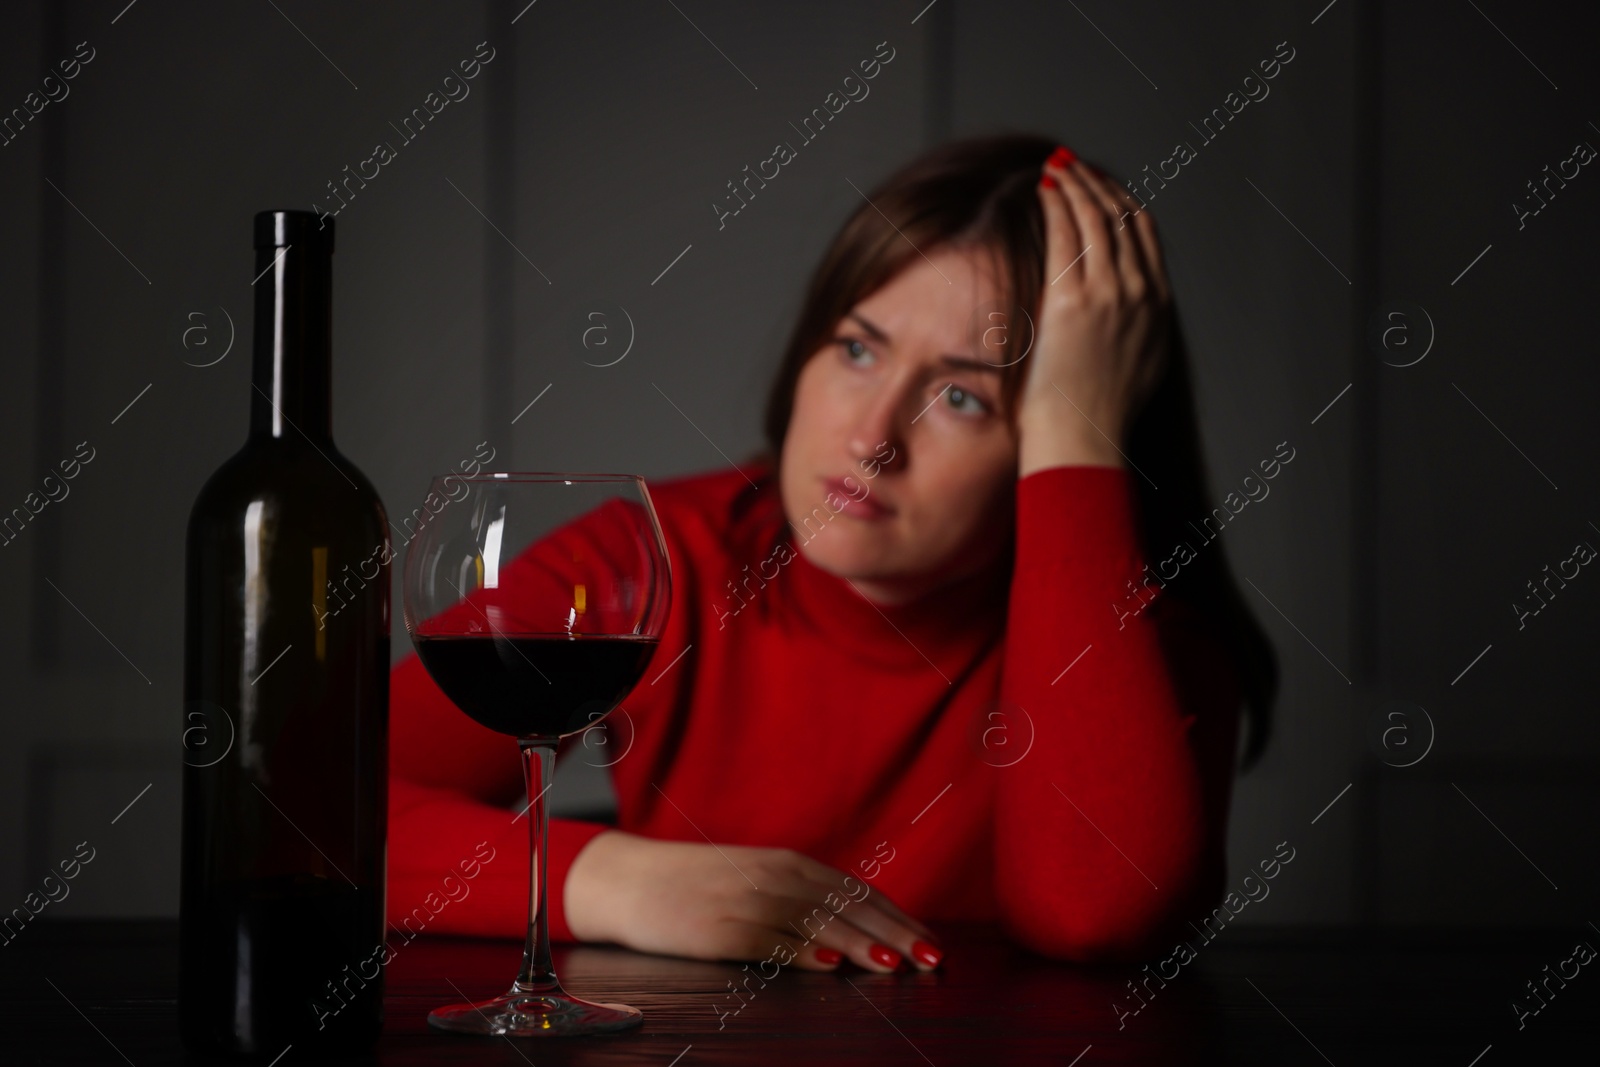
(538, 769)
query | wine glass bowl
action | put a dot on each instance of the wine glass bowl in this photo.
(536, 602)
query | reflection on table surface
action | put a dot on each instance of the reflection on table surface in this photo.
(105, 992)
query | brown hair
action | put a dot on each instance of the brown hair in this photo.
(978, 194)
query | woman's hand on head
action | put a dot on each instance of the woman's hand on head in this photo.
(731, 902)
(1104, 325)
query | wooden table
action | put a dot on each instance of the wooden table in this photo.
(104, 992)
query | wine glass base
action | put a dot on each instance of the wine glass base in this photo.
(551, 1014)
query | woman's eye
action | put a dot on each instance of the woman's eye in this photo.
(966, 402)
(854, 349)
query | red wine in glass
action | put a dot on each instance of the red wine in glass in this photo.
(535, 685)
(536, 602)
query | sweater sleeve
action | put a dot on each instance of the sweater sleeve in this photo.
(1111, 832)
(458, 852)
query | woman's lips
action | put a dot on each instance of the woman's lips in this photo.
(864, 508)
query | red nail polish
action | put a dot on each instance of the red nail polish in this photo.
(1062, 156)
(926, 953)
(829, 956)
(888, 957)
(1047, 182)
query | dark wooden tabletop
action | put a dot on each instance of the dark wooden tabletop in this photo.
(105, 993)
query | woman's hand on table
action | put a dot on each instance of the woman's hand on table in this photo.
(733, 902)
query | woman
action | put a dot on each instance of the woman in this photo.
(916, 667)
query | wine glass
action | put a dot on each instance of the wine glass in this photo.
(536, 602)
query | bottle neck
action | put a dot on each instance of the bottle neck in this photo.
(292, 374)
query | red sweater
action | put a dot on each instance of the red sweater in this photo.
(1085, 808)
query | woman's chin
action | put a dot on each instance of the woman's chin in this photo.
(854, 558)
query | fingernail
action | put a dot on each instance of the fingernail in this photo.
(881, 954)
(829, 956)
(1047, 182)
(1062, 156)
(926, 953)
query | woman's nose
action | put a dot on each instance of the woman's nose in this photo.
(878, 421)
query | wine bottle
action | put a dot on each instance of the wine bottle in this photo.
(286, 697)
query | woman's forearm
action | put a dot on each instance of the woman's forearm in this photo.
(1055, 434)
(1111, 827)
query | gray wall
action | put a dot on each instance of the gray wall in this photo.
(584, 162)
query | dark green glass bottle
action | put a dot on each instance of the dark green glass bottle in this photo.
(286, 697)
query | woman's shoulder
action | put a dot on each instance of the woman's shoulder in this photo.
(726, 510)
